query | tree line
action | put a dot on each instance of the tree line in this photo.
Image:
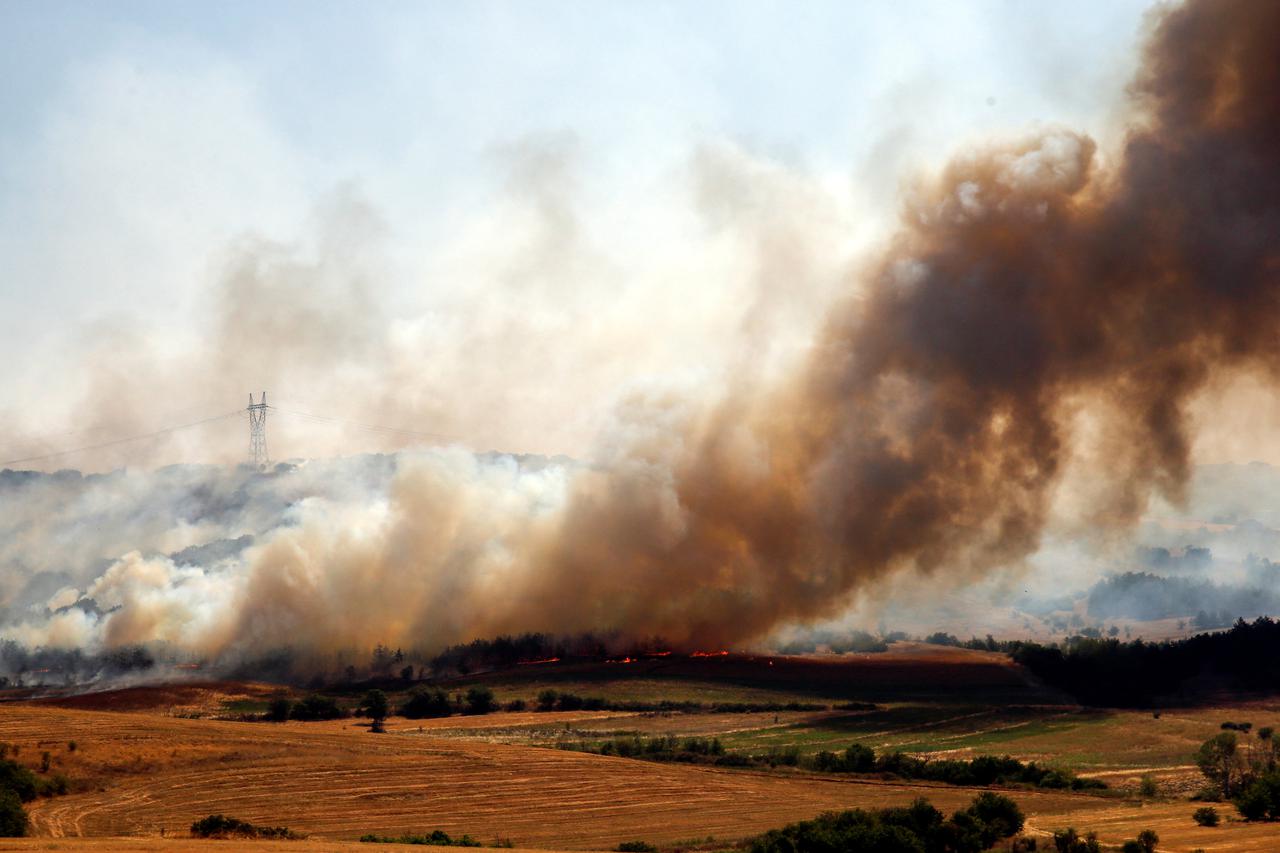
(1111, 673)
(858, 758)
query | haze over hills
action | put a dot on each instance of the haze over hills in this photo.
(195, 560)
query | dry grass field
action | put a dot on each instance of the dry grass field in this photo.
(339, 781)
(153, 758)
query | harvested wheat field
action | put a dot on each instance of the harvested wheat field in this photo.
(340, 781)
(1117, 822)
(152, 844)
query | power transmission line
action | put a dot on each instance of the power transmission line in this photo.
(372, 427)
(117, 441)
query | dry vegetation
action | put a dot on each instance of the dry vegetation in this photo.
(339, 781)
(152, 764)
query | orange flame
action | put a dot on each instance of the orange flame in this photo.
(536, 662)
(720, 654)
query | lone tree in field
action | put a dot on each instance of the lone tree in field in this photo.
(375, 705)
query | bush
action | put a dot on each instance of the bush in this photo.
(1260, 799)
(221, 826)
(547, 700)
(422, 704)
(1145, 843)
(636, 847)
(515, 705)
(1148, 787)
(54, 786)
(437, 838)
(1069, 841)
(480, 700)
(13, 818)
(18, 779)
(1205, 816)
(280, 709)
(316, 707)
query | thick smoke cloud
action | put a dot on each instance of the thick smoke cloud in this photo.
(1040, 312)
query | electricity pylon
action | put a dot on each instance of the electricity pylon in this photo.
(258, 432)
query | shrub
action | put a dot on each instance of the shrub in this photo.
(316, 707)
(1148, 787)
(1260, 799)
(479, 700)
(1205, 816)
(1069, 841)
(515, 705)
(547, 700)
(13, 818)
(423, 703)
(18, 779)
(221, 826)
(636, 847)
(437, 838)
(280, 709)
(54, 786)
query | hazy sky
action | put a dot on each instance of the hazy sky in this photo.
(142, 143)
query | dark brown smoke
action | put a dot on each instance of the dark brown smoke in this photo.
(1027, 286)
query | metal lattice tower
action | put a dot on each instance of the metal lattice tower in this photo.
(258, 432)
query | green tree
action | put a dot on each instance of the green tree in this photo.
(1069, 841)
(375, 705)
(479, 700)
(279, 709)
(1219, 761)
(1260, 799)
(995, 816)
(316, 707)
(13, 818)
(423, 703)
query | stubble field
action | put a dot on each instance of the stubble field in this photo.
(159, 759)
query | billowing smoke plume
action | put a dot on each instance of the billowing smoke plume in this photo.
(1039, 311)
